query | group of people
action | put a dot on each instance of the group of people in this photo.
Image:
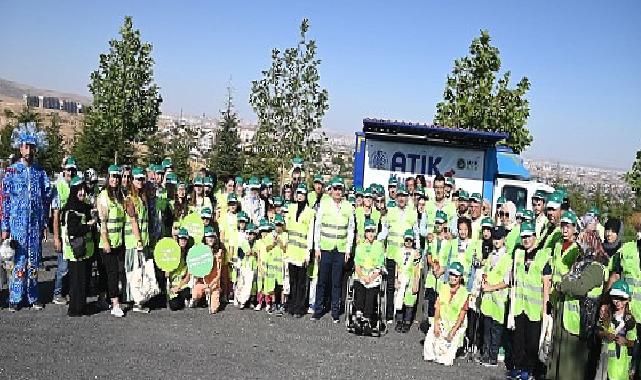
(551, 294)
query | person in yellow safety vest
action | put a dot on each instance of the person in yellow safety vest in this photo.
(476, 215)
(264, 240)
(462, 210)
(552, 233)
(445, 335)
(273, 244)
(300, 228)
(440, 202)
(136, 232)
(398, 219)
(567, 251)
(222, 194)
(533, 281)
(369, 262)
(333, 238)
(77, 222)
(112, 222)
(625, 265)
(496, 280)
(617, 331)
(364, 213)
(539, 200)
(179, 294)
(463, 250)
(392, 184)
(437, 244)
(407, 282)
(577, 293)
(314, 198)
(228, 225)
(358, 197)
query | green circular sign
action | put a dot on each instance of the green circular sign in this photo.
(194, 225)
(167, 254)
(200, 260)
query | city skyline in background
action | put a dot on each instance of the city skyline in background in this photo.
(379, 60)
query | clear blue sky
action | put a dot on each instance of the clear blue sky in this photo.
(380, 59)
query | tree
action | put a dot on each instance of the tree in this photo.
(633, 177)
(51, 157)
(472, 100)
(178, 149)
(156, 150)
(227, 158)
(290, 104)
(126, 102)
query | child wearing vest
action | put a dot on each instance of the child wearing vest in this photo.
(369, 261)
(266, 240)
(178, 293)
(496, 279)
(407, 280)
(271, 259)
(245, 267)
(210, 284)
(437, 244)
(617, 331)
(446, 334)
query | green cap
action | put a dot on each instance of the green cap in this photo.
(528, 215)
(540, 194)
(250, 228)
(75, 181)
(408, 234)
(70, 163)
(420, 192)
(487, 223)
(198, 181)
(463, 195)
(279, 220)
(242, 216)
(569, 217)
(301, 188)
(253, 183)
(208, 181)
(159, 169)
(554, 200)
(337, 181)
(166, 163)
(393, 181)
(501, 201)
(351, 199)
(277, 201)
(391, 203)
(239, 181)
(171, 178)
(205, 212)
(318, 178)
(528, 229)
(114, 169)
(285, 207)
(183, 233)
(231, 198)
(138, 172)
(263, 225)
(297, 162)
(182, 184)
(449, 181)
(441, 217)
(370, 225)
(476, 197)
(266, 181)
(620, 288)
(520, 211)
(594, 211)
(359, 191)
(456, 269)
(209, 231)
(401, 190)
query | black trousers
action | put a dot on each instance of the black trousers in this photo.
(390, 265)
(525, 344)
(492, 333)
(113, 262)
(474, 332)
(364, 299)
(178, 302)
(78, 285)
(298, 284)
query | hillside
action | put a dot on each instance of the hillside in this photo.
(15, 90)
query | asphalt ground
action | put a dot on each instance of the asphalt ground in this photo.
(191, 344)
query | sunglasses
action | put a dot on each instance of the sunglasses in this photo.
(409, 240)
(503, 213)
(337, 188)
(126, 176)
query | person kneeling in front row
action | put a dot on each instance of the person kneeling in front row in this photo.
(446, 334)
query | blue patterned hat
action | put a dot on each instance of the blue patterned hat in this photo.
(29, 134)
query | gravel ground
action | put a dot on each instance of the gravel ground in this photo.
(235, 343)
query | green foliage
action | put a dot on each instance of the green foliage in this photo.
(178, 149)
(475, 99)
(126, 102)
(51, 157)
(156, 150)
(633, 177)
(290, 105)
(226, 159)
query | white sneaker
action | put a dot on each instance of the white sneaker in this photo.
(140, 309)
(258, 307)
(117, 312)
(310, 310)
(59, 300)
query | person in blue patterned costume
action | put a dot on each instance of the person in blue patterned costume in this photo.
(26, 191)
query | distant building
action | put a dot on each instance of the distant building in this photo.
(32, 101)
(52, 103)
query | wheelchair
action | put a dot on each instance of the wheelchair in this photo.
(354, 323)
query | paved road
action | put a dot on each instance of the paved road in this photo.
(193, 344)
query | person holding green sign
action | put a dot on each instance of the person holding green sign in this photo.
(210, 284)
(178, 293)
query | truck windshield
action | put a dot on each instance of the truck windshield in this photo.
(516, 194)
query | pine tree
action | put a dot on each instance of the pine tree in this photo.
(227, 158)
(126, 102)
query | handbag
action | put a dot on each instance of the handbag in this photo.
(142, 280)
(78, 243)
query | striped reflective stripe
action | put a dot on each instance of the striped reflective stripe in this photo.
(335, 236)
(573, 306)
(296, 234)
(533, 301)
(113, 230)
(115, 220)
(329, 225)
(394, 235)
(612, 354)
(297, 244)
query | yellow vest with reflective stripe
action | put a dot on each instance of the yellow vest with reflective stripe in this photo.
(142, 219)
(529, 285)
(493, 303)
(115, 221)
(297, 230)
(451, 308)
(398, 222)
(562, 260)
(334, 224)
(619, 366)
(572, 307)
(375, 216)
(632, 275)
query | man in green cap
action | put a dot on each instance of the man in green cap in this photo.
(398, 220)
(476, 203)
(539, 199)
(392, 183)
(439, 202)
(315, 197)
(552, 232)
(596, 215)
(333, 238)
(297, 173)
(61, 194)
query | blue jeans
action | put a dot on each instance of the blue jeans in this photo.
(330, 275)
(492, 333)
(61, 272)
